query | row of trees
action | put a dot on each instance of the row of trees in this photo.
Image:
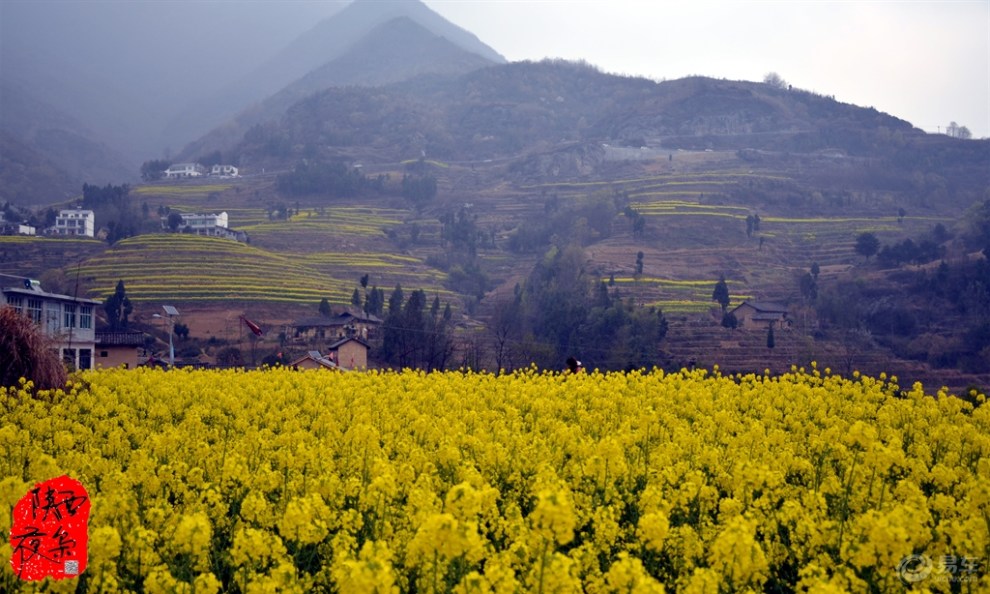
(115, 210)
(414, 335)
(561, 311)
(335, 180)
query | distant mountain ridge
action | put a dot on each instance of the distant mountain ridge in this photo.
(518, 107)
(326, 42)
(395, 50)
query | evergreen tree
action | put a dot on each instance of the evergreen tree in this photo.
(721, 293)
(325, 307)
(118, 307)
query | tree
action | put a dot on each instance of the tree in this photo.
(155, 169)
(639, 263)
(775, 80)
(325, 307)
(374, 301)
(174, 221)
(721, 293)
(230, 357)
(356, 298)
(27, 353)
(867, 244)
(181, 330)
(770, 339)
(815, 269)
(956, 131)
(364, 281)
(809, 288)
(117, 307)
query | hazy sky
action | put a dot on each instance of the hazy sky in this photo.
(927, 62)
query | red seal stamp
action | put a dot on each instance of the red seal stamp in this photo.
(50, 530)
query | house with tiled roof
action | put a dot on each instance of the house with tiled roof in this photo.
(119, 348)
(350, 353)
(313, 360)
(760, 314)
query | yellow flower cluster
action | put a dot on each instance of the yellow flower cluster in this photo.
(290, 481)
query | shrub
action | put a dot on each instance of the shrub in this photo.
(28, 353)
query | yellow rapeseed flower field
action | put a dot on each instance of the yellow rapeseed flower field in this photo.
(294, 481)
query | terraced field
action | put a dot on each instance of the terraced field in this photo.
(694, 234)
(189, 268)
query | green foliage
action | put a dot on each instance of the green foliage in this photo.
(230, 357)
(325, 307)
(721, 293)
(118, 307)
(867, 244)
(419, 189)
(908, 251)
(808, 286)
(729, 320)
(583, 222)
(415, 337)
(174, 221)
(561, 311)
(155, 169)
(113, 208)
(374, 301)
(334, 179)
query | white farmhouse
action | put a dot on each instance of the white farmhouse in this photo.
(210, 225)
(223, 171)
(68, 321)
(75, 221)
(180, 170)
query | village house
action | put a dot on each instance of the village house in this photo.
(322, 329)
(119, 349)
(17, 229)
(75, 221)
(182, 170)
(209, 225)
(349, 353)
(68, 321)
(223, 171)
(754, 314)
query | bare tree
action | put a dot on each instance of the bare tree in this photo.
(774, 80)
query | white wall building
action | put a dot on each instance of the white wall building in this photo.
(179, 170)
(69, 321)
(211, 225)
(75, 221)
(224, 171)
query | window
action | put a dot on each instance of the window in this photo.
(16, 302)
(70, 315)
(34, 309)
(85, 359)
(86, 317)
(52, 319)
(69, 358)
